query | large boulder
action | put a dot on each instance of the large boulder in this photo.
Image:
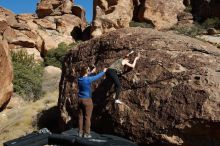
(6, 77)
(161, 13)
(51, 78)
(172, 95)
(6, 18)
(111, 15)
(80, 12)
(54, 7)
(205, 8)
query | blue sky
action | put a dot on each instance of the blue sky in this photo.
(29, 6)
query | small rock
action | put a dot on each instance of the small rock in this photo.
(212, 31)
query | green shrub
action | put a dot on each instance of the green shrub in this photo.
(140, 24)
(189, 31)
(54, 57)
(188, 9)
(27, 75)
(211, 22)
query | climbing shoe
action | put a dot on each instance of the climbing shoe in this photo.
(80, 134)
(87, 135)
(118, 101)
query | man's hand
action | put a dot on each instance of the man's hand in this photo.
(93, 70)
(105, 69)
(130, 53)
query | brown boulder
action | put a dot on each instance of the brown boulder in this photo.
(51, 39)
(67, 6)
(185, 16)
(6, 77)
(212, 31)
(25, 17)
(3, 24)
(19, 38)
(67, 23)
(45, 23)
(80, 12)
(6, 19)
(57, 29)
(6, 12)
(28, 19)
(111, 15)
(9, 34)
(161, 13)
(184, 19)
(54, 7)
(23, 41)
(8, 16)
(206, 8)
(172, 94)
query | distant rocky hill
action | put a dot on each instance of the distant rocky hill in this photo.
(172, 94)
(54, 22)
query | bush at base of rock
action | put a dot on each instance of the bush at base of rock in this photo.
(140, 24)
(54, 57)
(27, 75)
(189, 31)
(211, 23)
(188, 9)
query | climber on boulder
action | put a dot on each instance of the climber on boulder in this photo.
(116, 69)
(85, 104)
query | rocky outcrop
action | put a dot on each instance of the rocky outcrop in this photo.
(172, 94)
(45, 31)
(185, 19)
(162, 14)
(51, 78)
(54, 7)
(205, 8)
(213, 39)
(111, 15)
(80, 12)
(6, 77)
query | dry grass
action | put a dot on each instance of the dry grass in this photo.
(17, 122)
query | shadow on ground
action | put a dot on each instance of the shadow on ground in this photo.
(49, 119)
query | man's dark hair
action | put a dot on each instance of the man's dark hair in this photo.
(83, 71)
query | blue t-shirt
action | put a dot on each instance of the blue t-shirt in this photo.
(84, 84)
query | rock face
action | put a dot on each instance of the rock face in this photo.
(54, 7)
(6, 77)
(161, 13)
(38, 34)
(206, 8)
(172, 94)
(109, 15)
(51, 78)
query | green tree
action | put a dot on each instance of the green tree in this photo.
(27, 75)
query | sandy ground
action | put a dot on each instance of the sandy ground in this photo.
(20, 118)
